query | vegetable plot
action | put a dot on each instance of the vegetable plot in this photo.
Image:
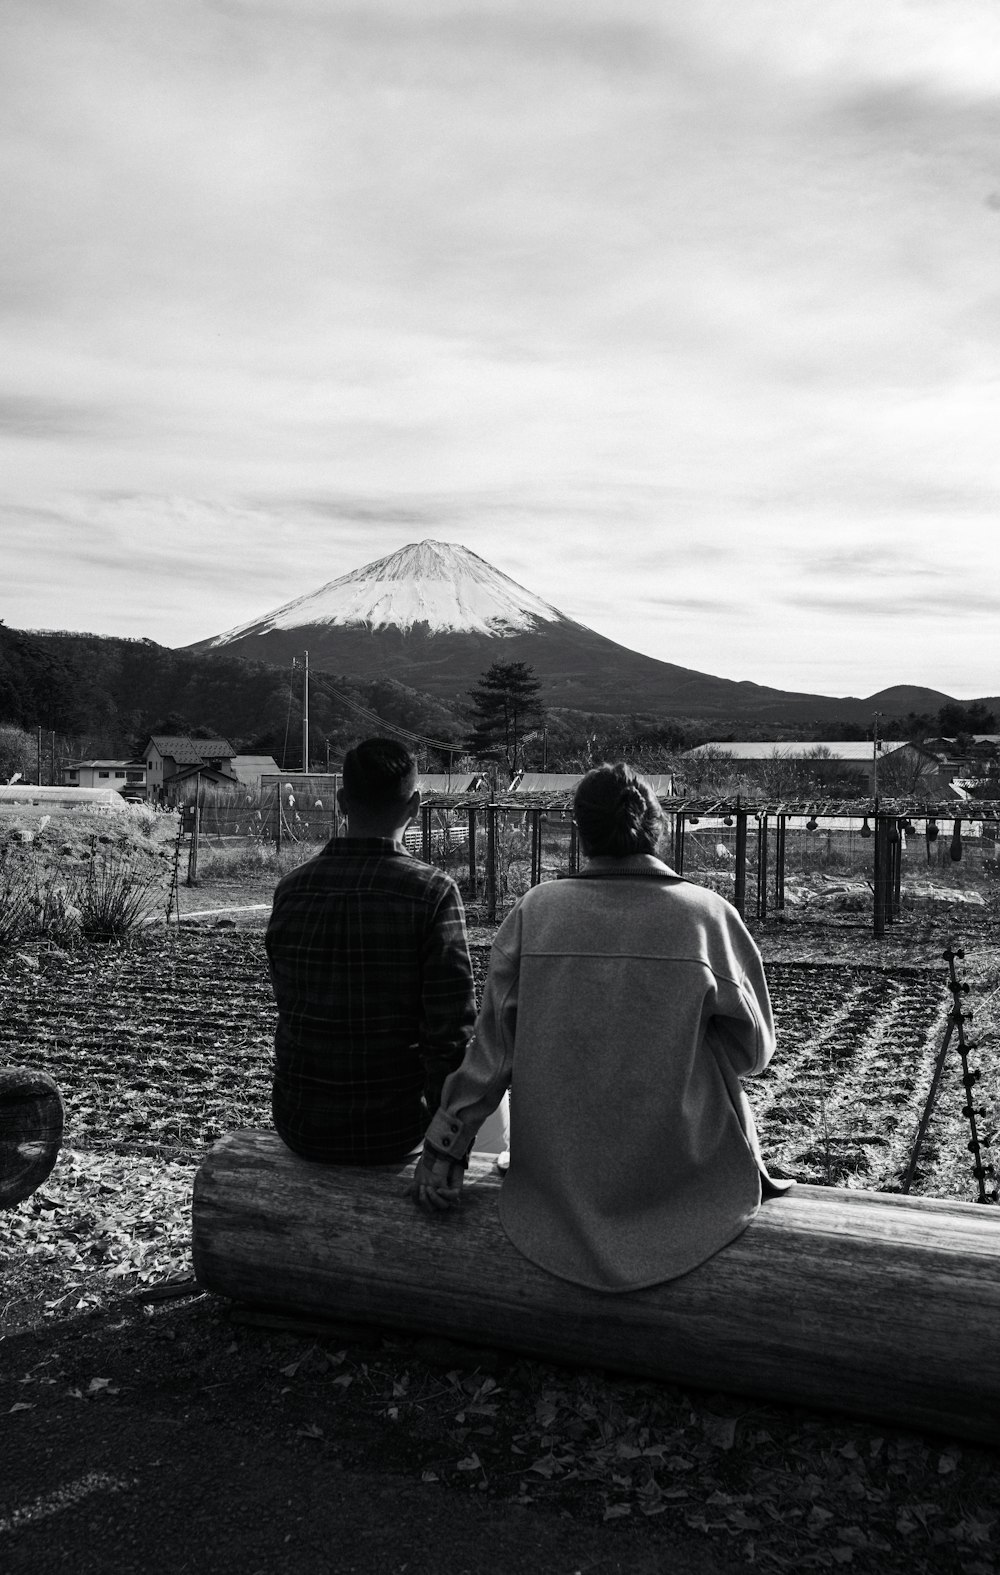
(163, 1044)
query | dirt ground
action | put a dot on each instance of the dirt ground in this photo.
(142, 1428)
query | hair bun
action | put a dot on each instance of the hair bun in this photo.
(617, 812)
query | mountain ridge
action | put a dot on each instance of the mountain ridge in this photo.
(434, 615)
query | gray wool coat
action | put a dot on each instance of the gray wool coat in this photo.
(621, 1008)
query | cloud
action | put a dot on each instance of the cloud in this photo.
(661, 310)
(957, 602)
(43, 418)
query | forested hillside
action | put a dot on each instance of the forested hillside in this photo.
(108, 693)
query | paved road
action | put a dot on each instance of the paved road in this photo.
(165, 1469)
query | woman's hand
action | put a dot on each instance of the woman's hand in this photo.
(437, 1181)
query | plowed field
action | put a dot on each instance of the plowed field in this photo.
(166, 1043)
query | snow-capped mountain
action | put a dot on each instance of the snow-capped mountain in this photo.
(437, 585)
(435, 615)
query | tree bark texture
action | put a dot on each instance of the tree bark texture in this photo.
(873, 1304)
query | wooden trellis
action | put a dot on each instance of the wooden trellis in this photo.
(770, 822)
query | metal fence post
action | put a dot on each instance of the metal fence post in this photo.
(779, 863)
(425, 833)
(762, 867)
(878, 876)
(491, 863)
(741, 863)
(473, 872)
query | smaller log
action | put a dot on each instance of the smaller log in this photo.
(874, 1304)
(31, 1129)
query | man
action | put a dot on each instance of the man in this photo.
(371, 973)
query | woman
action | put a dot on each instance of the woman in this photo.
(623, 1005)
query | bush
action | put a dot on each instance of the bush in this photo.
(59, 891)
(115, 892)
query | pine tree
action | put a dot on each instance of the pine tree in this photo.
(505, 705)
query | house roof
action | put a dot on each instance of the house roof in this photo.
(191, 751)
(132, 765)
(789, 749)
(202, 772)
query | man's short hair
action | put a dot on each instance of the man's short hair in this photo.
(379, 772)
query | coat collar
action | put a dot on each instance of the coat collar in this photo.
(632, 864)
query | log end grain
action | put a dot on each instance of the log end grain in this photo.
(31, 1128)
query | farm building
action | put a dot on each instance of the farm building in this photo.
(26, 795)
(535, 782)
(888, 763)
(445, 783)
(248, 769)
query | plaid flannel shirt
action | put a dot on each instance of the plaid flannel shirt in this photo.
(371, 973)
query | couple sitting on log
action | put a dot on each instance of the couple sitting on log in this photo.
(622, 1006)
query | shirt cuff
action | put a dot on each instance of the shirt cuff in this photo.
(445, 1134)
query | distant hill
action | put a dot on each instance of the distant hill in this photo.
(113, 691)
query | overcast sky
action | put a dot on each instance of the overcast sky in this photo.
(685, 315)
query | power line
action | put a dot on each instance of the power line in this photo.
(449, 745)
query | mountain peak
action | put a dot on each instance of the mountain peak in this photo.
(439, 586)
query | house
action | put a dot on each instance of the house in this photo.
(123, 776)
(183, 762)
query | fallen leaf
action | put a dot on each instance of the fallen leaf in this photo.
(720, 1430)
(546, 1466)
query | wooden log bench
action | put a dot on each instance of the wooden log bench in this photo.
(874, 1304)
(31, 1129)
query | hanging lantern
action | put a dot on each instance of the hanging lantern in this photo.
(866, 830)
(692, 820)
(812, 824)
(932, 831)
(956, 843)
(727, 820)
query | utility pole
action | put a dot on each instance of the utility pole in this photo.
(875, 760)
(305, 717)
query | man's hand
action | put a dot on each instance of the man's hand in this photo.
(437, 1181)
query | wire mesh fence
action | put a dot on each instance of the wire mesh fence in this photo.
(763, 861)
